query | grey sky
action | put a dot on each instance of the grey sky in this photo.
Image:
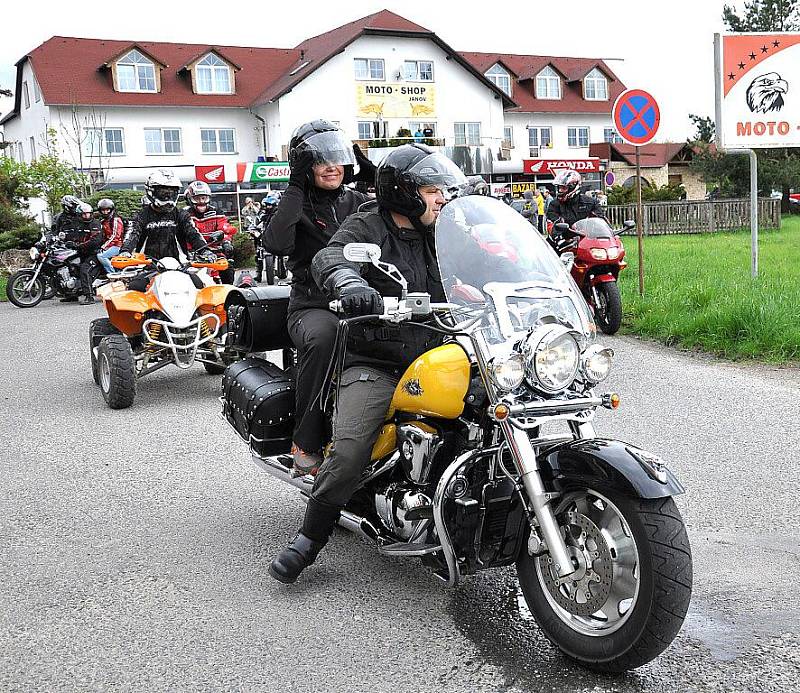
(667, 47)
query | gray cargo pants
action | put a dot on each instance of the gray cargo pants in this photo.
(364, 397)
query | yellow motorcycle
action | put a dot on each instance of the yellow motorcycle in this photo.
(489, 456)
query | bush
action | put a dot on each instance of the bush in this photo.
(244, 252)
(19, 231)
(128, 202)
(620, 195)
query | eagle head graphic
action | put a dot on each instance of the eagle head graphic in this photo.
(765, 93)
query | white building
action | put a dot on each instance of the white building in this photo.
(121, 108)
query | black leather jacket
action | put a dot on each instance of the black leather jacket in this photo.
(161, 234)
(86, 235)
(302, 225)
(574, 209)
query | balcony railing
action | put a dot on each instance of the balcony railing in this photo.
(471, 159)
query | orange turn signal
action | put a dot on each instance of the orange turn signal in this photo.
(500, 412)
(615, 400)
(137, 316)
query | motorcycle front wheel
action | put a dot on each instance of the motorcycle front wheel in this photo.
(630, 593)
(22, 295)
(608, 312)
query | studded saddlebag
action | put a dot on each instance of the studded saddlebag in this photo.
(258, 401)
(257, 318)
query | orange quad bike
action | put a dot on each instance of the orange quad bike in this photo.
(172, 321)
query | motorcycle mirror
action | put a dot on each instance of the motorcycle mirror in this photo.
(362, 252)
(568, 259)
(562, 226)
(629, 224)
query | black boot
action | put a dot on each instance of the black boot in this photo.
(302, 551)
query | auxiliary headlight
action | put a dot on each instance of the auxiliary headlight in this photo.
(552, 357)
(599, 253)
(34, 253)
(507, 372)
(596, 363)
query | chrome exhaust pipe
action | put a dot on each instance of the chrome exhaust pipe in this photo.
(274, 468)
(358, 525)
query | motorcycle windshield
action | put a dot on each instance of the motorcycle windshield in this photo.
(594, 227)
(491, 258)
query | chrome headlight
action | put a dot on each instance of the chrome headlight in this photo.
(507, 372)
(596, 363)
(551, 357)
(34, 253)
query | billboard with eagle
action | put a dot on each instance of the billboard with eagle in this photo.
(758, 90)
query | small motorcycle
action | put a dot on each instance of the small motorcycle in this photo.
(488, 456)
(171, 322)
(55, 271)
(599, 257)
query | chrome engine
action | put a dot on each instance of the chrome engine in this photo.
(67, 280)
(417, 449)
(393, 506)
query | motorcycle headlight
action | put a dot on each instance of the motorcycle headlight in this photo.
(34, 253)
(596, 363)
(508, 372)
(613, 253)
(551, 357)
(599, 253)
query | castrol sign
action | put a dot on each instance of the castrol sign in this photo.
(552, 166)
(757, 90)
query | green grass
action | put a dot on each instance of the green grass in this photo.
(3, 287)
(699, 293)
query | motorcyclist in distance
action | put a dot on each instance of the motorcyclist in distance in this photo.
(68, 215)
(160, 229)
(86, 236)
(316, 202)
(570, 205)
(208, 221)
(413, 183)
(113, 232)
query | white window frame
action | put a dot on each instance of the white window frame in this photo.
(217, 140)
(470, 135)
(574, 137)
(412, 70)
(612, 136)
(37, 91)
(162, 142)
(369, 64)
(597, 83)
(32, 142)
(215, 71)
(508, 136)
(362, 123)
(548, 84)
(139, 68)
(98, 136)
(535, 138)
(26, 94)
(500, 76)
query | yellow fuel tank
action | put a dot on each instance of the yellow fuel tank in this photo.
(435, 384)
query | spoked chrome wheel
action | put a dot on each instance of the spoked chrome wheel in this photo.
(23, 291)
(598, 598)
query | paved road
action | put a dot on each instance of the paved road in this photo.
(134, 544)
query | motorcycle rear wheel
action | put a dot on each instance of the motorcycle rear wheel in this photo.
(609, 313)
(630, 594)
(16, 289)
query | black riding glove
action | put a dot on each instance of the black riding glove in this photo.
(300, 173)
(366, 169)
(359, 299)
(227, 248)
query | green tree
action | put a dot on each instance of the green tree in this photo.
(127, 202)
(17, 228)
(704, 128)
(763, 15)
(54, 177)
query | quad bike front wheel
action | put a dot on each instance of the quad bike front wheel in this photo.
(21, 292)
(98, 329)
(117, 371)
(630, 593)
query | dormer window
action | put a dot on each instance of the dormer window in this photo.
(499, 75)
(213, 76)
(548, 84)
(595, 86)
(136, 73)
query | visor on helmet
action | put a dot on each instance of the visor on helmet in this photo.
(162, 193)
(436, 169)
(330, 147)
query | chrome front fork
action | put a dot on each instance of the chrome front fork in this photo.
(36, 273)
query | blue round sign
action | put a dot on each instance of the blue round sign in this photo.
(636, 116)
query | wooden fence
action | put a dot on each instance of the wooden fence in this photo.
(702, 216)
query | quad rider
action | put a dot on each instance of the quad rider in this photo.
(208, 221)
(113, 232)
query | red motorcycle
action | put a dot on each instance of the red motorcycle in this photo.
(599, 258)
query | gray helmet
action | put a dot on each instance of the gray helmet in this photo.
(70, 204)
(106, 204)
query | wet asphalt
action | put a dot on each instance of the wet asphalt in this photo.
(134, 544)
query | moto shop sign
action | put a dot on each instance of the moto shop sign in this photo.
(552, 166)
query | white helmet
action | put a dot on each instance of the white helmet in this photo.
(162, 188)
(195, 189)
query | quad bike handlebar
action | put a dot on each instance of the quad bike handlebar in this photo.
(141, 260)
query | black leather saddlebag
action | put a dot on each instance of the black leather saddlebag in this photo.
(257, 318)
(258, 401)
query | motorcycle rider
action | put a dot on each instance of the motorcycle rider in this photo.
(207, 220)
(113, 231)
(476, 185)
(413, 183)
(310, 211)
(86, 236)
(160, 228)
(570, 205)
(268, 206)
(68, 215)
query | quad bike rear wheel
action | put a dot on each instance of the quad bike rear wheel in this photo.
(117, 371)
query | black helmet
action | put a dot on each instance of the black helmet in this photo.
(106, 204)
(70, 204)
(326, 142)
(407, 168)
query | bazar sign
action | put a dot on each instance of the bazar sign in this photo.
(756, 77)
(263, 172)
(553, 165)
(395, 100)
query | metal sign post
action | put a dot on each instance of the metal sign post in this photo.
(637, 116)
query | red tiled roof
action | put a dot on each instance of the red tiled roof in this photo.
(526, 67)
(653, 155)
(68, 71)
